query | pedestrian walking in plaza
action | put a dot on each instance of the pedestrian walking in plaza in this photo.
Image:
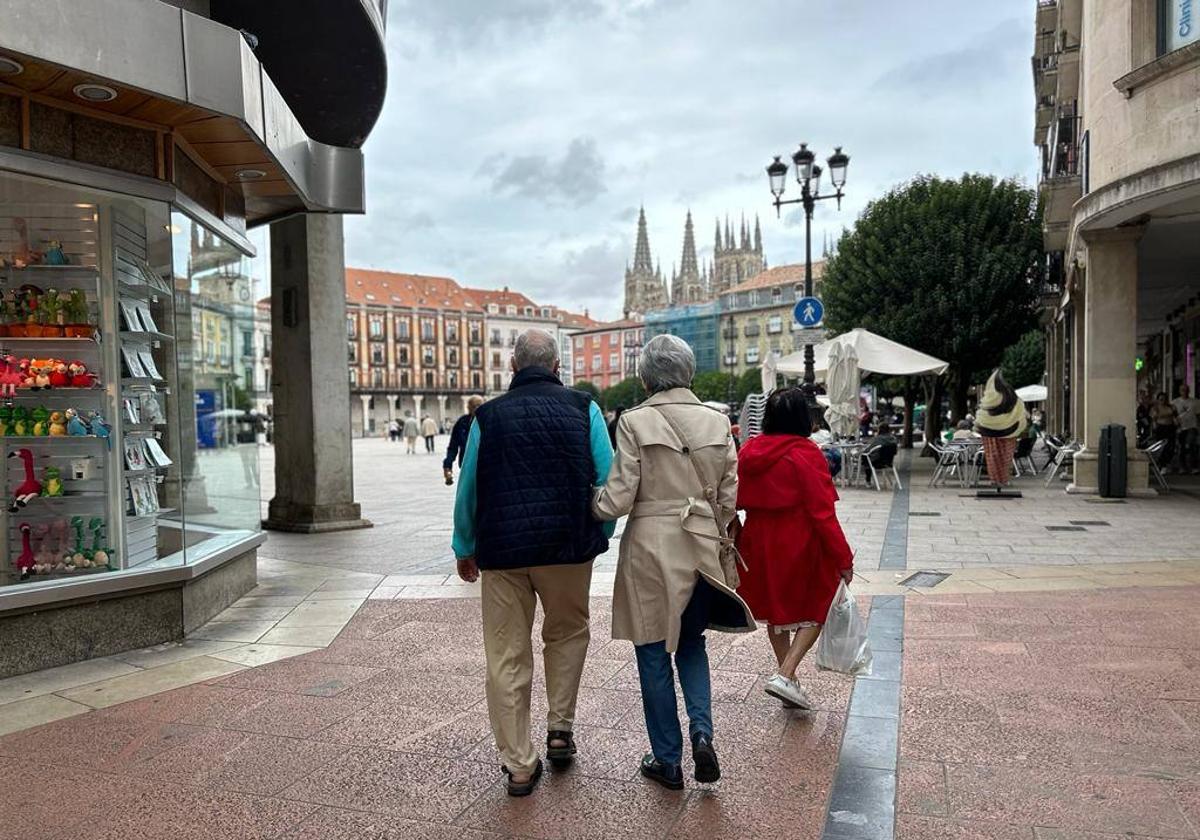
(458, 439)
(1166, 420)
(429, 430)
(675, 476)
(793, 547)
(393, 430)
(523, 522)
(1186, 419)
(412, 430)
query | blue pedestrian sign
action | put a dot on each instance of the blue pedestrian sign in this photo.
(808, 312)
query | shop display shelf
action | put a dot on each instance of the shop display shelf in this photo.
(141, 381)
(94, 338)
(45, 576)
(39, 438)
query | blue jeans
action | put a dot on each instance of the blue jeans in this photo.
(658, 682)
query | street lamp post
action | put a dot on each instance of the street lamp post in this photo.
(808, 177)
(731, 358)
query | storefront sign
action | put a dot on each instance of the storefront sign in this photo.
(1182, 26)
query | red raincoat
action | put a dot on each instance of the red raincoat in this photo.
(792, 542)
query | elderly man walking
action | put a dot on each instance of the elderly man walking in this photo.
(522, 520)
(458, 438)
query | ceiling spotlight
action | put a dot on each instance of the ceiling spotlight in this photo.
(249, 174)
(10, 66)
(92, 92)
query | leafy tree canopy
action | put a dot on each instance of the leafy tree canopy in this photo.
(625, 394)
(1024, 363)
(944, 266)
(713, 385)
(588, 388)
(749, 383)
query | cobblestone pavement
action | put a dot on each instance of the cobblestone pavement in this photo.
(1047, 689)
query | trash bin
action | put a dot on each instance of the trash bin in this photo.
(1113, 461)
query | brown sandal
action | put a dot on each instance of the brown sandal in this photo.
(523, 788)
(560, 756)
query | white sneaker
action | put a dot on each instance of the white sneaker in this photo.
(789, 691)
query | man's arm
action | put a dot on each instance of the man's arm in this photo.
(464, 500)
(602, 455)
(456, 443)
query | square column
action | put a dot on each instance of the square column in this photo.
(314, 470)
(366, 414)
(1109, 342)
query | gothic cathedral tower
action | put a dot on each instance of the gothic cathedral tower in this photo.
(688, 285)
(644, 286)
(736, 259)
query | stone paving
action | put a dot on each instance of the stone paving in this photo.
(1049, 691)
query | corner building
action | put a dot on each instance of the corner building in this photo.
(1118, 129)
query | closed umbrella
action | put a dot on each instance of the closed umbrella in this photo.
(841, 383)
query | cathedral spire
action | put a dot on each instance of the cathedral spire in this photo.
(757, 236)
(688, 265)
(641, 253)
(744, 243)
(717, 243)
(728, 235)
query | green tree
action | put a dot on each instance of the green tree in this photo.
(749, 383)
(946, 267)
(625, 394)
(588, 388)
(712, 385)
(1024, 363)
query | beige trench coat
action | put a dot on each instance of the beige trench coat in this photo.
(672, 538)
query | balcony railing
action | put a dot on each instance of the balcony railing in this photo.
(1061, 157)
(496, 342)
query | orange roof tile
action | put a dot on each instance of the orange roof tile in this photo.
(387, 288)
(780, 275)
(612, 325)
(574, 320)
(502, 297)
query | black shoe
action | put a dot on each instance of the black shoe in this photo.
(560, 757)
(669, 776)
(523, 788)
(708, 769)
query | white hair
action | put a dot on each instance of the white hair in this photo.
(667, 362)
(535, 348)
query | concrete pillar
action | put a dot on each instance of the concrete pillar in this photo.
(366, 414)
(442, 408)
(1110, 348)
(464, 405)
(417, 399)
(392, 400)
(314, 470)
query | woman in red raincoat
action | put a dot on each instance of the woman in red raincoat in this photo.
(792, 544)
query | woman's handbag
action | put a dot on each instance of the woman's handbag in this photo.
(728, 553)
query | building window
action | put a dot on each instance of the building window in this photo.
(353, 377)
(429, 379)
(427, 357)
(403, 328)
(378, 357)
(614, 361)
(375, 327)
(579, 365)
(247, 344)
(751, 329)
(404, 379)
(495, 359)
(428, 329)
(512, 338)
(452, 356)
(351, 326)
(493, 308)
(496, 340)
(1179, 24)
(614, 339)
(377, 375)
(266, 345)
(496, 382)
(476, 357)
(248, 378)
(402, 355)
(452, 332)
(752, 355)
(511, 309)
(352, 353)
(476, 336)
(476, 380)
(528, 311)
(596, 362)
(452, 380)
(775, 324)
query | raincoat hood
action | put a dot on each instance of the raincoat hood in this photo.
(767, 470)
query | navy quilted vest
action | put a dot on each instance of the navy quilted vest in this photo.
(535, 475)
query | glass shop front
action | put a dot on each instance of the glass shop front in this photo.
(130, 340)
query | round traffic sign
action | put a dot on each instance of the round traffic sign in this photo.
(808, 312)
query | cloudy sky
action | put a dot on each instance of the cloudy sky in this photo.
(519, 137)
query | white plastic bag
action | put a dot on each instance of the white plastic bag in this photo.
(842, 645)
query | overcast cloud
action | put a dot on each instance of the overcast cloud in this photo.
(520, 136)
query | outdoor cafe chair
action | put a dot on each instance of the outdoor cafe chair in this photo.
(1063, 458)
(948, 463)
(1152, 453)
(890, 474)
(1024, 457)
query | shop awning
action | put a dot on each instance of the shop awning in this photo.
(876, 354)
(1032, 393)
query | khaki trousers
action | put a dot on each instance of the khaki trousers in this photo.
(509, 598)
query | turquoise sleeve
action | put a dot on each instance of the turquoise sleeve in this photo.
(602, 456)
(464, 500)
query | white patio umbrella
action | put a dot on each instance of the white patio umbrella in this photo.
(769, 367)
(841, 383)
(1033, 393)
(876, 354)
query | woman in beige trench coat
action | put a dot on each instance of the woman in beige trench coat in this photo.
(675, 476)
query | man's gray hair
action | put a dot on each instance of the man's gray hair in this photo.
(667, 362)
(535, 348)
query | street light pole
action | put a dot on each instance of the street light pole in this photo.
(808, 177)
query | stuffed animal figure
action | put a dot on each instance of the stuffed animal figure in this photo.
(80, 378)
(30, 488)
(45, 558)
(27, 377)
(58, 424)
(59, 375)
(40, 368)
(10, 377)
(75, 424)
(5, 420)
(41, 421)
(99, 426)
(100, 553)
(52, 486)
(21, 425)
(26, 561)
(54, 253)
(75, 557)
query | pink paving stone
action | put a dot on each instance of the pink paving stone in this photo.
(301, 676)
(706, 817)
(953, 704)
(338, 824)
(922, 788)
(938, 629)
(272, 713)
(915, 827)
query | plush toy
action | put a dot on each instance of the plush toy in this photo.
(59, 375)
(28, 489)
(80, 378)
(58, 424)
(100, 553)
(75, 424)
(41, 421)
(40, 369)
(10, 377)
(27, 377)
(6, 420)
(99, 426)
(75, 558)
(52, 486)
(26, 561)
(21, 425)
(54, 253)
(45, 558)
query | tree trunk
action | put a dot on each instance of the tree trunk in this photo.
(934, 390)
(910, 398)
(958, 398)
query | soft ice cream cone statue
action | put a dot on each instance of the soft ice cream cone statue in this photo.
(1000, 422)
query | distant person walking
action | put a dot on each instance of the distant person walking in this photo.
(458, 439)
(1186, 410)
(394, 430)
(523, 522)
(429, 430)
(412, 430)
(794, 548)
(1166, 422)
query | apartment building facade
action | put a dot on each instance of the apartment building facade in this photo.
(756, 316)
(1119, 133)
(608, 353)
(508, 314)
